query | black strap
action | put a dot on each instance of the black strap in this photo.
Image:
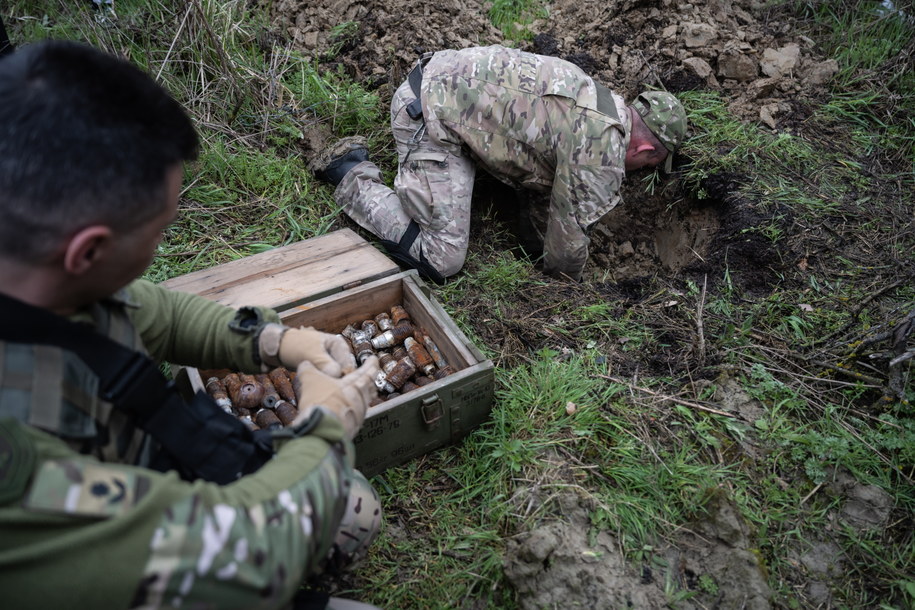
(198, 439)
(6, 47)
(400, 252)
(415, 78)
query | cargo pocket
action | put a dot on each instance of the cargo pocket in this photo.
(426, 189)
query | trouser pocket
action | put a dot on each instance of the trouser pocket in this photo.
(426, 189)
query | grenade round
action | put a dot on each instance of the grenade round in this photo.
(393, 337)
(271, 396)
(436, 353)
(399, 353)
(250, 393)
(370, 328)
(363, 351)
(247, 421)
(266, 419)
(217, 390)
(387, 361)
(419, 356)
(422, 380)
(283, 384)
(442, 373)
(285, 412)
(383, 320)
(399, 315)
(381, 380)
(400, 374)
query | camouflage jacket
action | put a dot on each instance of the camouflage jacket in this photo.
(79, 533)
(53, 390)
(155, 540)
(534, 122)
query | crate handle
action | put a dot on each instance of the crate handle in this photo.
(432, 412)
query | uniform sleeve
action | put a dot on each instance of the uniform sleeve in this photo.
(581, 196)
(187, 329)
(158, 541)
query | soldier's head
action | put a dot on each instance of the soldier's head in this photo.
(658, 130)
(86, 140)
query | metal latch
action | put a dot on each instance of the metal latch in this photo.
(432, 412)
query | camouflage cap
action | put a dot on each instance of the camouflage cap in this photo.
(664, 115)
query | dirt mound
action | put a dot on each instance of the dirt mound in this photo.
(561, 565)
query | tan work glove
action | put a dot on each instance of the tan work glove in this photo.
(346, 398)
(289, 347)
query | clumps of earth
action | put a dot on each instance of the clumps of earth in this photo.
(770, 75)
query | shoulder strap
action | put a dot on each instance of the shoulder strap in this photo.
(605, 103)
(198, 439)
(6, 47)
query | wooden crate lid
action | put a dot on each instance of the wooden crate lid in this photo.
(290, 275)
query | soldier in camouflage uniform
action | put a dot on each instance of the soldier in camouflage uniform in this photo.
(92, 155)
(531, 121)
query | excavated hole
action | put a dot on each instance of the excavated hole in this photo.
(650, 233)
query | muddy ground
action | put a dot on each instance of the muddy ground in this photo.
(771, 76)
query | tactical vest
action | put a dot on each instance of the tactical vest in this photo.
(52, 389)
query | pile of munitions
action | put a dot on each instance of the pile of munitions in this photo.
(408, 357)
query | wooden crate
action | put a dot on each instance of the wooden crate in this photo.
(338, 279)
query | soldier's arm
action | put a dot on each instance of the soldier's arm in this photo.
(188, 329)
(581, 196)
(75, 532)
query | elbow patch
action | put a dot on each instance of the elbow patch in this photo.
(247, 320)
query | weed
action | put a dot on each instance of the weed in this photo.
(512, 17)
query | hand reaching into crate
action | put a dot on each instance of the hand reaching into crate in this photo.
(347, 398)
(289, 347)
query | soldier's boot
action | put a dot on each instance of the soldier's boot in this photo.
(336, 161)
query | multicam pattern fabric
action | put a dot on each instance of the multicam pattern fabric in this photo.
(158, 541)
(533, 122)
(227, 555)
(665, 117)
(54, 390)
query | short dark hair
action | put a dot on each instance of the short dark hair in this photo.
(85, 138)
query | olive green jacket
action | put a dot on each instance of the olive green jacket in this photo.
(82, 526)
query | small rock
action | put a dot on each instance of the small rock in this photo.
(767, 114)
(780, 62)
(698, 34)
(737, 65)
(822, 72)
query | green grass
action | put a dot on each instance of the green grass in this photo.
(513, 16)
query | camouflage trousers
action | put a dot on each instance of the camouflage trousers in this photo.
(433, 186)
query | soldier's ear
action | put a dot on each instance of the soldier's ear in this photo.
(86, 248)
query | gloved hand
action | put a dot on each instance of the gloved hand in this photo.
(346, 398)
(289, 347)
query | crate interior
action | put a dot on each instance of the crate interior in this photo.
(333, 313)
